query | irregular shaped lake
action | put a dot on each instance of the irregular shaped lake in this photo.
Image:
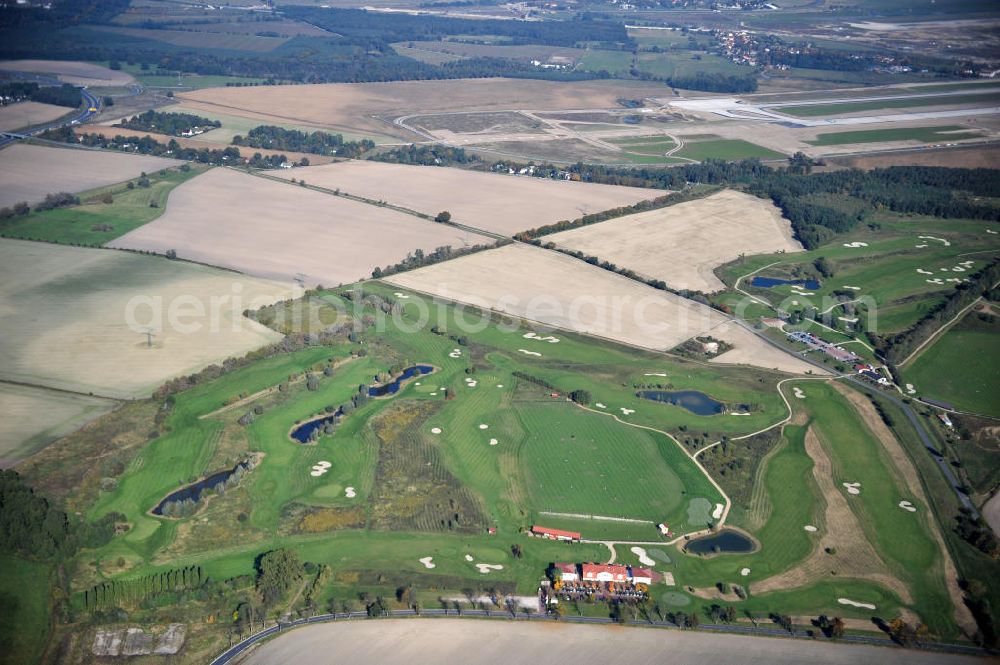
(694, 401)
(768, 282)
(725, 541)
(195, 490)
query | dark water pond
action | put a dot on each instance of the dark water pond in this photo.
(694, 401)
(194, 490)
(726, 540)
(303, 433)
(768, 282)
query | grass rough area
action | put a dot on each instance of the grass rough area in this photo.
(21, 596)
(939, 134)
(729, 149)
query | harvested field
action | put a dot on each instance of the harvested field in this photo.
(72, 308)
(31, 418)
(277, 230)
(974, 157)
(65, 170)
(77, 73)
(190, 39)
(498, 203)
(683, 244)
(556, 290)
(26, 114)
(350, 106)
(751, 350)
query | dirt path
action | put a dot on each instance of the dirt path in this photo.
(855, 557)
(902, 462)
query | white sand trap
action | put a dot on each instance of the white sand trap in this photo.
(798, 393)
(471, 384)
(953, 279)
(627, 412)
(493, 442)
(958, 269)
(324, 464)
(920, 246)
(943, 269)
(803, 293)
(855, 244)
(483, 426)
(991, 232)
(910, 390)
(967, 264)
(433, 394)
(499, 385)
(852, 288)
(400, 295)
(316, 473)
(810, 528)
(529, 353)
(428, 562)
(455, 353)
(934, 281)
(655, 374)
(852, 488)
(350, 492)
(548, 338)
(600, 406)
(717, 513)
(940, 240)
(734, 413)
(848, 319)
(924, 272)
(744, 571)
(485, 568)
(644, 558)
(435, 430)
(795, 302)
(468, 557)
(906, 505)
(854, 603)
(417, 383)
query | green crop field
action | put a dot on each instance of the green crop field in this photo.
(21, 595)
(684, 64)
(730, 149)
(613, 62)
(939, 134)
(95, 222)
(839, 108)
(962, 366)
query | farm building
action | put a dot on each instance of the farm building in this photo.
(604, 572)
(568, 572)
(641, 575)
(554, 534)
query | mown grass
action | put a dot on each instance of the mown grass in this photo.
(924, 134)
(24, 601)
(729, 149)
(840, 108)
(86, 224)
(613, 62)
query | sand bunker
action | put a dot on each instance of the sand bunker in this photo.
(600, 406)
(855, 244)
(324, 464)
(798, 393)
(717, 513)
(655, 374)
(499, 385)
(456, 353)
(910, 390)
(643, 557)
(924, 272)
(320, 468)
(493, 442)
(485, 568)
(529, 353)
(852, 488)
(468, 557)
(483, 426)
(940, 240)
(744, 571)
(428, 562)
(810, 528)
(471, 383)
(549, 338)
(991, 232)
(852, 288)
(906, 505)
(854, 603)
(627, 412)
(350, 492)
(435, 430)
(400, 295)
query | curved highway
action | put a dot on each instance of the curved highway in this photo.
(82, 114)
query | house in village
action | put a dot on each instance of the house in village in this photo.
(555, 534)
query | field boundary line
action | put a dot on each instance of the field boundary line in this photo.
(67, 391)
(937, 333)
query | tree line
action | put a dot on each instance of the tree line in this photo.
(59, 95)
(418, 258)
(170, 123)
(318, 143)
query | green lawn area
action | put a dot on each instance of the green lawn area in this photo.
(85, 224)
(686, 63)
(613, 62)
(838, 108)
(149, 78)
(924, 134)
(729, 149)
(961, 367)
(24, 603)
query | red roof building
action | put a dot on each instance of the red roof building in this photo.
(602, 572)
(567, 571)
(642, 576)
(554, 534)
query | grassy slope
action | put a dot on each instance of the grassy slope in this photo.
(23, 590)
(726, 149)
(925, 134)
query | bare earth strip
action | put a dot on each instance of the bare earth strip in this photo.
(26, 114)
(683, 244)
(471, 642)
(963, 616)
(498, 203)
(31, 418)
(29, 172)
(276, 230)
(77, 73)
(70, 307)
(855, 558)
(350, 106)
(557, 290)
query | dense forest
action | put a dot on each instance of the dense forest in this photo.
(317, 143)
(425, 155)
(20, 91)
(173, 124)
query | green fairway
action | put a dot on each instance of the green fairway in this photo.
(23, 596)
(939, 134)
(962, 366)
(729, 149)
(839, 108)
(95, 222)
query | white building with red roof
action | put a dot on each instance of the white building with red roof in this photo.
(641, 575)
(604, 572)
(554, 534)
(567, 571)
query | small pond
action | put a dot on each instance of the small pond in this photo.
(725, 541)
(303, 433)
(694, 401)
(194, 490)
(768, 282)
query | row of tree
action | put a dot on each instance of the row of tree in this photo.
(418, 258)
(59, 95)
(318, 143)
(173, 124)
(130, 592)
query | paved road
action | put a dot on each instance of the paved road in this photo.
(470, 642)
(82, 115)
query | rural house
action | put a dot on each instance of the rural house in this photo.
(555, 534)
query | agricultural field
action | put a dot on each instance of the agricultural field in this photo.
(938, 134)
(65, 170)
(683, 244)
(27, 114)
(233, 125)
(969, 344)
(278, 230)
(74, 306)
(667, 65)
(728, 149)
(495, 203)
(77, 73)
(435, 52)
(613, 62)
(189, 39)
